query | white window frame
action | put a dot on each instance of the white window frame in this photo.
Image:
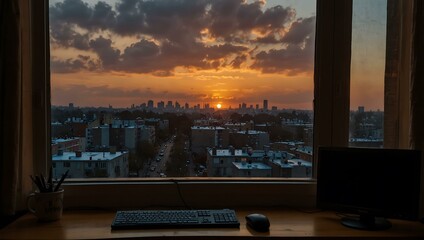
(331, 128)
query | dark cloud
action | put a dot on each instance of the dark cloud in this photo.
(107, 54)
(296, 57)
(275, 18)
(248, 14)
(102, 17)
(79, 13)
(73, 65)
(66, 15)
(170, 35)
(71, 11)
(269, 39)
(130, 19)
(223, 15)
(140, 57)
(221, 51)
(64, 35)
(67, 66)
(300, 30)
(239, 60)
(292, 60)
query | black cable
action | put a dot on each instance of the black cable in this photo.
(310, 211)
(180, 194)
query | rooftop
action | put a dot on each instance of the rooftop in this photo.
(61, 140)
(247, 166)
(85, 156)
(254, 153)
(250, 132)
(206, 128)
(292, 163)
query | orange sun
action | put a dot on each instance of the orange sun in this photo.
(218, 106)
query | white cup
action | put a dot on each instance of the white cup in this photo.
(47, 206)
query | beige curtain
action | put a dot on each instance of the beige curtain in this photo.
(16, 162)
(10, 92)
(417, 78)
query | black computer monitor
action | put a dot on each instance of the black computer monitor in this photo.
(375, 184)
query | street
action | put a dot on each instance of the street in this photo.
(157, 167)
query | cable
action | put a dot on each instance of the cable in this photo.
(180, 194)
(310, 211)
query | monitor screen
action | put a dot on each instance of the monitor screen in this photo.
(370, 182)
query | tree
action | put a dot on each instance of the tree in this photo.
(246, 118)
(134, 164)
(143, 152)
(177, 166)
(264, 118)
(125, 115)
(235, 117)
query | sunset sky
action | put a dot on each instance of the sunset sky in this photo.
(197, 51)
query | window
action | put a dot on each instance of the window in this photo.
(100, 165)
(331, 121)
(233, 78)
(367, 73)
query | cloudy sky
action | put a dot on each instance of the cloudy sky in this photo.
(195, 51)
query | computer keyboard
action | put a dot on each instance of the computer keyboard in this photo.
(223, 218)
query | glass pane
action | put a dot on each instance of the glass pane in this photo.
(161, 88)
(367, 73)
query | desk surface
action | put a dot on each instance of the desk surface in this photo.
(284, 223)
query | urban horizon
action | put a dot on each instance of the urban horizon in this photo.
(179, 105)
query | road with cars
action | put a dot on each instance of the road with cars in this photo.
(157, 167)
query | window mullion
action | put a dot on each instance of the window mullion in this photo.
(332, 73)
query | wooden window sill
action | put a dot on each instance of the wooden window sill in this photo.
(285, 223)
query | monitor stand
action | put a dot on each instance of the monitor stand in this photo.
(366, 222)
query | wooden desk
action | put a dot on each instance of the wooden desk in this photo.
(284, 224)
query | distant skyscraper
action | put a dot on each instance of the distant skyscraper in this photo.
(161, 105)
(266, 105)
(361, 109)
(186, 106)
(71, 105)
(243, 105)
(169, 105)
(177, 105)
(257, 106)
(150, 104)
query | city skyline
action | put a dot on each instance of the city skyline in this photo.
(162, 104)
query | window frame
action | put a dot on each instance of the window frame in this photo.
(331, 113)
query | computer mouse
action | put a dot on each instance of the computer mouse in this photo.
(258, 222)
